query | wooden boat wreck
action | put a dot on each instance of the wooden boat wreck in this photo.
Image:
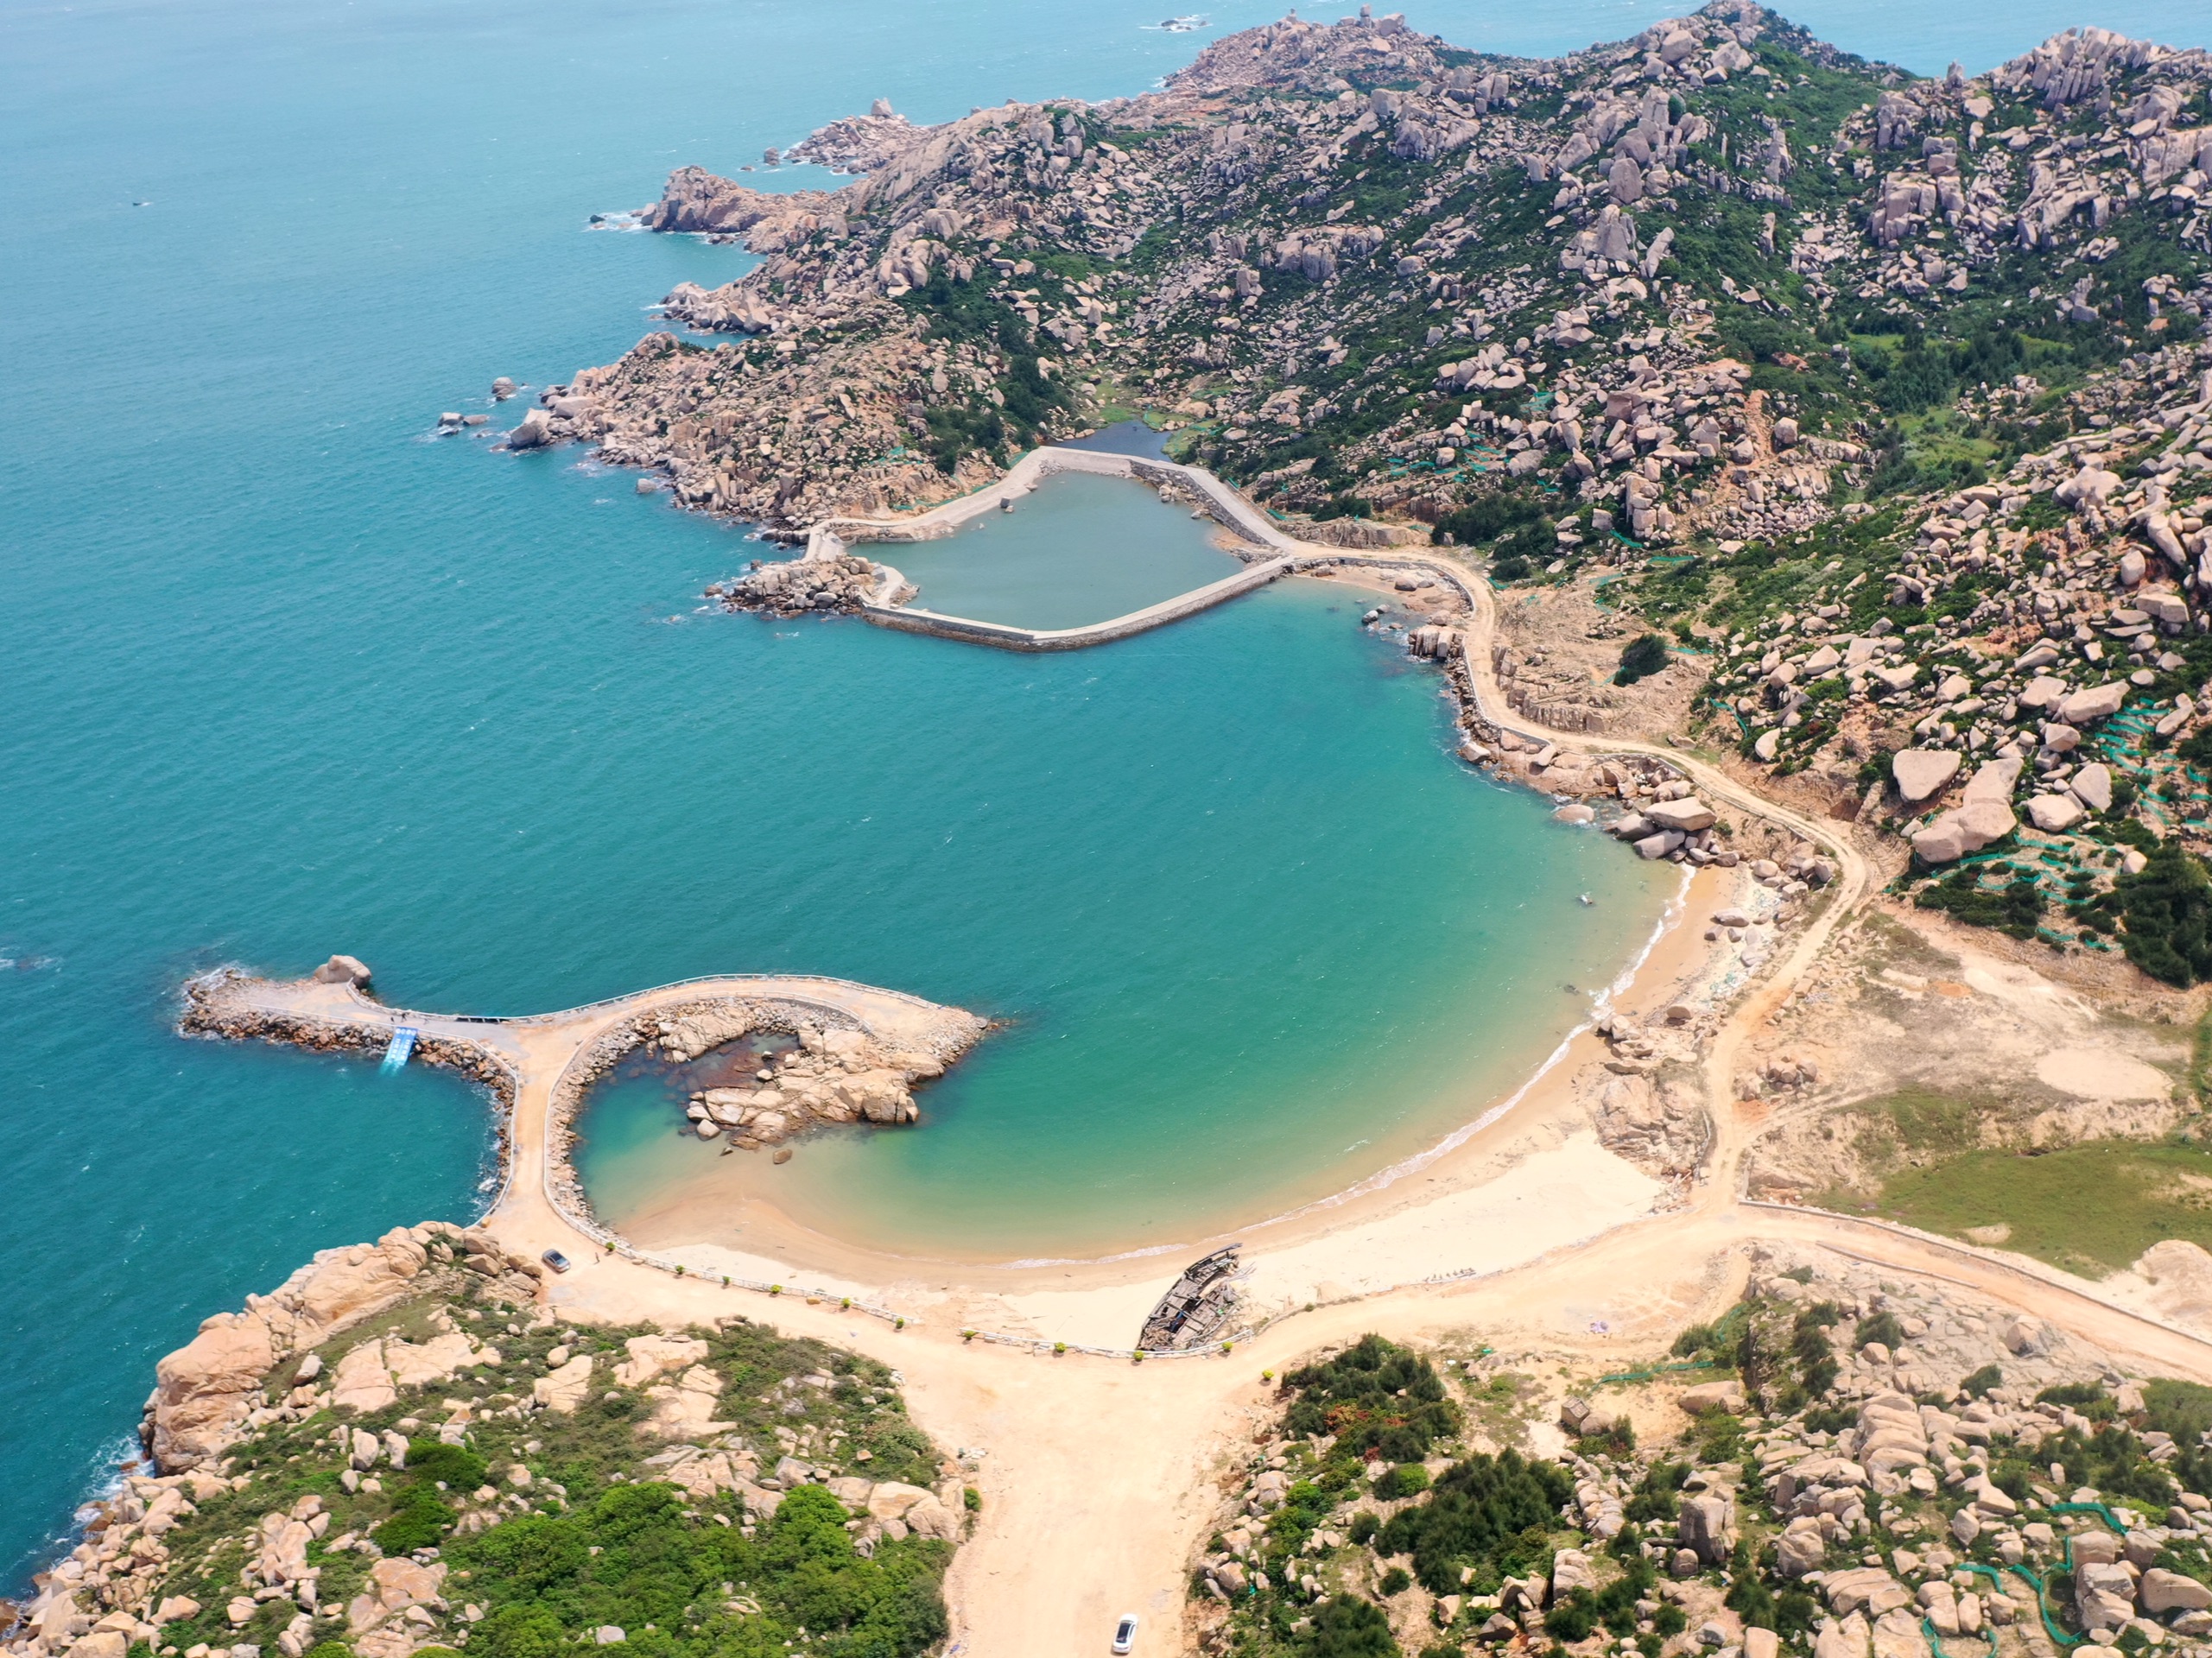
(1197, 1306)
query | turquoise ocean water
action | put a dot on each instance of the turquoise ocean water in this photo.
(285, 675)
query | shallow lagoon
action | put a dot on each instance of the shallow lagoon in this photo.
(1077, 549)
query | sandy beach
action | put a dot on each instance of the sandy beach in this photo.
(1522, 1176)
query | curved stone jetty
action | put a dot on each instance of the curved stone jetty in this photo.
(830, 538)
(860, 1047)
(828, 577)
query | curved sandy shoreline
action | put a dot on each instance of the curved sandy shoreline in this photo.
(1461, 1157)
(1376, 1233)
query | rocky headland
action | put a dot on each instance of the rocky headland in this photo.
(375, 1459)
(1381, 276)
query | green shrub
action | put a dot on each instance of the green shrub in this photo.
(1396, 1581)
(1654, 1498)
(1362, 1529)
(1486, 1508)
(1616, 1439)
(2017, 909)
(520, 1631)
(1694, 1340)
(1752, 1600)
(1373, 1396)
(1983, 1380)
(2086, 1397)
(2184, 1410)
(1880, 1326)
(456, 1467)
(1348, 1627)
(1573, 1618)
(421, 1520)
(1641, 658)
(1404, 1480)
(533, 1553)
(1796, 1613)
(1810, 1346)
(2168, 911)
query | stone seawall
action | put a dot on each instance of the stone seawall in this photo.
(904, 619)
(862, 1050)
(1221, 503)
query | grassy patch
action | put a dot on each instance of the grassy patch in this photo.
(2090, 1208)
(1929, 1122)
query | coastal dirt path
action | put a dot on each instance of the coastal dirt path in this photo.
(1098, 1476)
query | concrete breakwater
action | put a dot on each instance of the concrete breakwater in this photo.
(860, 1051)
(1650, 798)
(225, 1004)
(830, 578)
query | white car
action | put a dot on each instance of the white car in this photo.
(1124, 1633)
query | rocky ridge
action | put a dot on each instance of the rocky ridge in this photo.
(1327, 230)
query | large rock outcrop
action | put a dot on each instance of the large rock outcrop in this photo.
(209, 1388)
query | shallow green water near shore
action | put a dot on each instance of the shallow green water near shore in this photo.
(1253, 932)
(1077, 549)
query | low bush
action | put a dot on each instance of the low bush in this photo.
(1486, 1510)
(1348, 1627)
(1404, 1480)
(1641, 658)
(1373, 1396)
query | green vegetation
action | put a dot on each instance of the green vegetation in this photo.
(2090, 1208)
(1488, 1518)
(559, 1523)
(1490, 1513)
(964, 313)
(1981, 1381)
(1348, 1627)
(2166, 915)
(640, 1559)
(1373, 1396)
(1374, 1418)
(424, 1517)
(2015, 907)
(1928, 1122)
(1641, 657)
(1404, 1480)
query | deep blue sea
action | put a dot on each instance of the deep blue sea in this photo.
(284, 674)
